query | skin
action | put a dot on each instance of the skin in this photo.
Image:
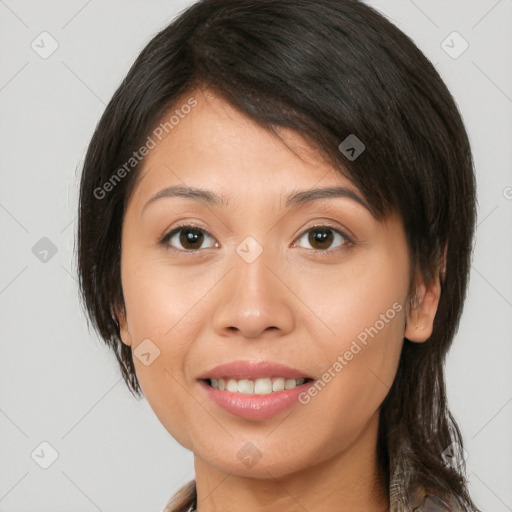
(291, 305)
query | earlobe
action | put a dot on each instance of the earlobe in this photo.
(422, 311)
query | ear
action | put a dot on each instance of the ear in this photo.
(423, 308)
(120, 315)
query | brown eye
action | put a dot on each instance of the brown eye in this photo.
(191, 238)
(321, 238)
(187, 238)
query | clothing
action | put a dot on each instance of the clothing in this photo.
(185, 500)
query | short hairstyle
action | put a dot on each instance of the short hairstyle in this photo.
(327, 69)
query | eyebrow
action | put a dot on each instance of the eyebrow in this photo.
(293, 200)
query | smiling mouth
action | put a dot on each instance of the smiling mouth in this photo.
(260, 386)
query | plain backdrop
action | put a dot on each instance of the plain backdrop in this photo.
(60, 386)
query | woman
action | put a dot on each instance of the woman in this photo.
(276, 220)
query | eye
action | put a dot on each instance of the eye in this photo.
(322, 237)
(190, 238)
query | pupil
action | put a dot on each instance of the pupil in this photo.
(321, 236)
(190, 236)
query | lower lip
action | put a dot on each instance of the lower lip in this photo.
(255, 407)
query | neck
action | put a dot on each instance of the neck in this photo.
(350, 481)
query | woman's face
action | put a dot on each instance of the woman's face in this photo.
(274, 273)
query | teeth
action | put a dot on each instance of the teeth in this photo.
(289, 384)
(278, 384)
(232, 386)
(262, 386)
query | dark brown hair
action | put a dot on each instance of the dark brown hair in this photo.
(326, 69)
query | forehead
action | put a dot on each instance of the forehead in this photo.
(215, 145)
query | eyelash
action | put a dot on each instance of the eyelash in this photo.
(164, 241)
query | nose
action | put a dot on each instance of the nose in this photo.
(254, 298)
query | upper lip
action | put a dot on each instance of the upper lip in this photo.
(253, 370)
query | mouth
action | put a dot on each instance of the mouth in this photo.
(259, 386)
(254, 390)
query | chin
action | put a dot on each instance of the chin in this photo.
(249, 460)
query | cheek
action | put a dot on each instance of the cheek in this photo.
(360, 336)
(368, 292)
(165, 314)
(354, 378)
(161, 299)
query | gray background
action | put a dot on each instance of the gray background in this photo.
(59, 384)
